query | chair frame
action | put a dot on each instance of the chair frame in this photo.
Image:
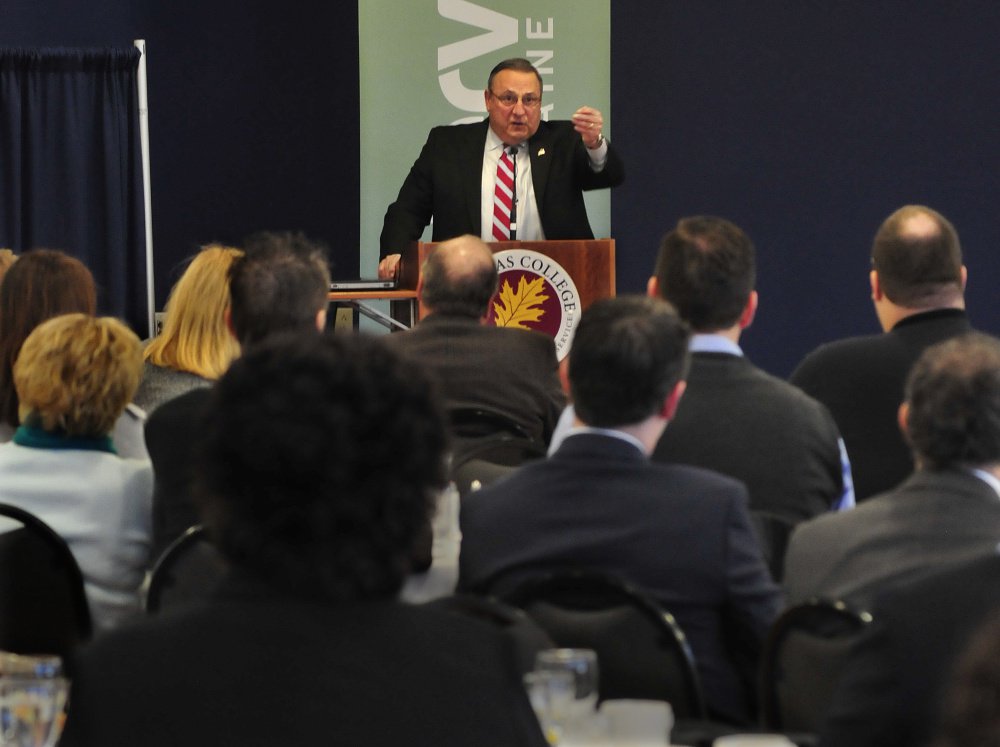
(839, 620)
(544, 586)
(65, 557)
(163, 569)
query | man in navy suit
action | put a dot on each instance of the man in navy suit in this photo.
(453, 178)
(681, 533)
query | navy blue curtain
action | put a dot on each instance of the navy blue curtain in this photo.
(71, 167)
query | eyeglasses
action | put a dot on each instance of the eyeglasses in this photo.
(508, 99)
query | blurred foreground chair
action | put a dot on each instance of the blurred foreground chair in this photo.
(642, 653)
(43, 605)
(803, 660)
(527, 635)
(188, 570)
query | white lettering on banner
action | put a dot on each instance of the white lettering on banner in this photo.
(500, 32)
(537, 32)
(539, 57)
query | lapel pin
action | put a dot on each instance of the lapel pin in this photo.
(541, 151)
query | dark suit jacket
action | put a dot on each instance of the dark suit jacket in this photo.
(893, 684)
(861, 381)
(514, 371)
(742, 422)
(446, 182)
(681, 533)
(254, 666)
(932, 519)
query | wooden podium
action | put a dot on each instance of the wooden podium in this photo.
(590, 263)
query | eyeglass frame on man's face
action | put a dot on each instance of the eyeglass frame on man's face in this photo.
(509, 99)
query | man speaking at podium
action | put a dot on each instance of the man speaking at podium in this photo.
(511, 176)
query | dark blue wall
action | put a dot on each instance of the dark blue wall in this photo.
(806, 122)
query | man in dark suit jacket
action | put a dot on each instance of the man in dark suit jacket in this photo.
(947, 511)
(681, 533)
(319, 456)
(735, 418)
(453, 178)
(511, 371)
(893, 684)
(917, 281)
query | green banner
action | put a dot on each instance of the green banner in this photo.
(425, 63)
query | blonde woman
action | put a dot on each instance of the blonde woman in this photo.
(74, 376)
(195, 346)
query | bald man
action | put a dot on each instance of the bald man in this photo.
(917, 285)
(512, 371)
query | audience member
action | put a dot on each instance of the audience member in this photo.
(735, 418)
(195, 347)
(893, 689)
(74, 376)
(971, 710)
(280, 284)
(42, 284)
(681, 533)
(917, 282)
(948, 510)
(321, 456)
(513, 371)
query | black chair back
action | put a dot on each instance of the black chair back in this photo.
(188, 570)
(641, 650)
(802, 662)
(43, 605)
(480, 432)
(526, 635)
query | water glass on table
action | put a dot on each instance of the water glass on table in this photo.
(33, 696)
(580, 664)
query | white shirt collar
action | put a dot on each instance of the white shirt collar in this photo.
(711, 343)
(611, 432)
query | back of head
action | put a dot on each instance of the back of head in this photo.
(42, 284)
(628, 353)
(918, 258)
(706, 269)
(280, 284)
(195, 337)
(76, 373)
(459, 278)
(321, 457)
(953, 393)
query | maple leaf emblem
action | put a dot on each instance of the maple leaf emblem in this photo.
(516, 308)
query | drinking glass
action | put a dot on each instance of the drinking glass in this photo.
(581, 663)
(32, 700)
(551, 694)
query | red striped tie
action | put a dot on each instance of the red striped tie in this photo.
(503, 197)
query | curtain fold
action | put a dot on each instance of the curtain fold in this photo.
(71, 165)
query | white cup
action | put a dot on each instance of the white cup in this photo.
(753, 740)
(638, 723)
